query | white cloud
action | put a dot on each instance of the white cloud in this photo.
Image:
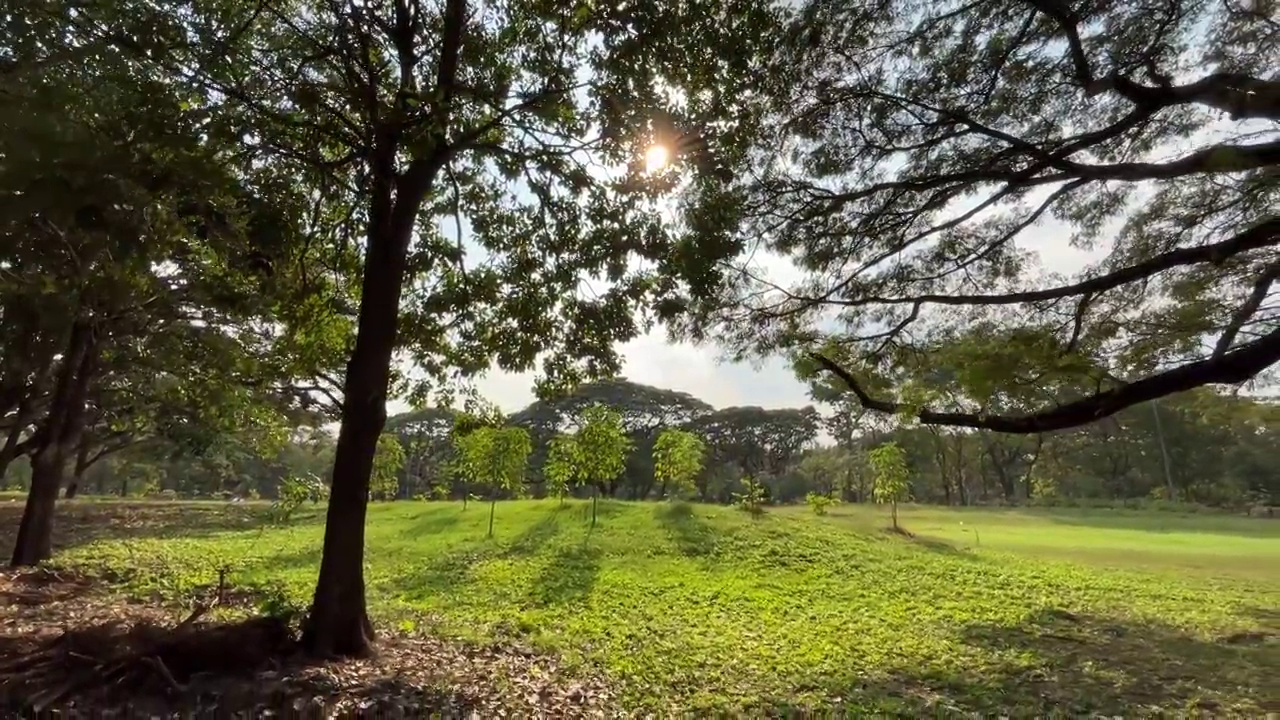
(700, 370)
(653, 360)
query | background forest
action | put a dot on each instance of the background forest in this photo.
(1202, 447)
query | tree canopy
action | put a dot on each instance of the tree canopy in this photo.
(933, 176)
(226, 225)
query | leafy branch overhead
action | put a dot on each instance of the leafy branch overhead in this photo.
(928, 171)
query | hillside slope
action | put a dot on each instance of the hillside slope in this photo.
(704, 608)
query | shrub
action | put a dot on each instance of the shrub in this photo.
(752, 497)
(819, 502)
(295, 490)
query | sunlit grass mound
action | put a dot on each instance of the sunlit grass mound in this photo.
(704, 608)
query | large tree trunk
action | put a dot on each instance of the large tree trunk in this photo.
(339, 624)
(61, 435)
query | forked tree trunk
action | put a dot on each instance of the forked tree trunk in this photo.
(61, 435)
(12, 447)
(339, 623)
(82, 464)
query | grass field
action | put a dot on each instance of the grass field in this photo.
(703, 608)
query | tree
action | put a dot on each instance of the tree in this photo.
(921, 153)
(757, 442)
(831, 471)
(563, 465)
(493, 457)
(645, 412)
(603, 447)
(412, 111)
(889, 463)
(677, 460)
(387, 462)
(509, 457)
(472, 441)
(138, 236)
(425, 435)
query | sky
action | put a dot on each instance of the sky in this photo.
(700, 370)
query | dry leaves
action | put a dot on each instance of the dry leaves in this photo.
(66, 643)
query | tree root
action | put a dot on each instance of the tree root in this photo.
(115, 660)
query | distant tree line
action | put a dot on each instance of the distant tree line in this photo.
(1201, 446)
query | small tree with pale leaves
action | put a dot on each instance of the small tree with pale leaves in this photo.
(389, 458)
(470, 454)
(495, 458)
(562, 468)
(677, 460)
(509, 450)
(889, 464)
(603, 446)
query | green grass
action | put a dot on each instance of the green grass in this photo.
(703, 608)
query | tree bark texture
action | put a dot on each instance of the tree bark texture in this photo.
(339, 623)
(62, 429)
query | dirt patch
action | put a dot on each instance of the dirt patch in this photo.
(84, 649)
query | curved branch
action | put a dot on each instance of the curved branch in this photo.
(1264, 234)
(1237, 366)
(1242, 96)
(1250, 306)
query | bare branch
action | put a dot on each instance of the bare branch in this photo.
(1247, 310)
(1232, 367)
(1265, 234)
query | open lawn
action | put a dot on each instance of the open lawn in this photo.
(705, 608)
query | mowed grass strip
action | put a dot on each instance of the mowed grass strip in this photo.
(703, 608)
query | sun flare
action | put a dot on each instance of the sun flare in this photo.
(656, 158)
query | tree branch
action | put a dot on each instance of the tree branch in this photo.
(1263, 235)
(1246, 311)
(1232, 367)
(1242, 96)
(423, 169)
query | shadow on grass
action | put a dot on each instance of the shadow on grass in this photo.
(80, 523)
(434, 520)
(1061, 664)
(605, 508)
(1266, 617)
(1160, 521)
(1087, 663)
(456, 569)
(568, 576)
(936, 545)
(694, 537)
